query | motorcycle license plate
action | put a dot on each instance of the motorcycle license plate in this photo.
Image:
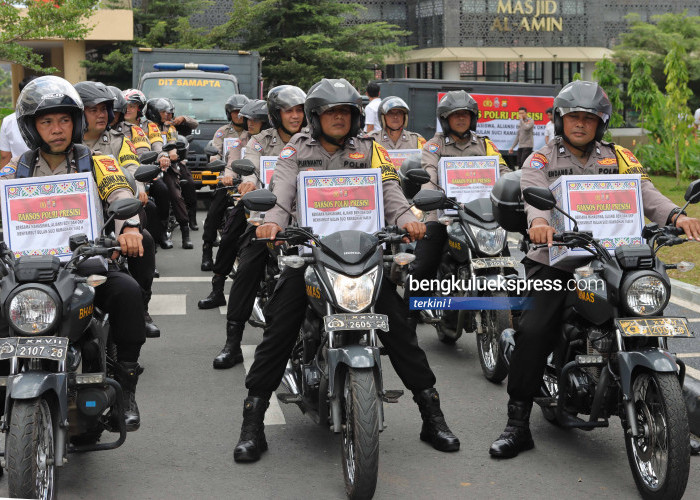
(53, 348)
(335, 322)
(653, 327)
(197, 176)
(494, 262)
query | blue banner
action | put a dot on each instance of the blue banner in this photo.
(471, 303)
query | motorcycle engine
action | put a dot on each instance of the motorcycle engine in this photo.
(599, 342)
(579, 391)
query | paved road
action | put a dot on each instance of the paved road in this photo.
(191, 419)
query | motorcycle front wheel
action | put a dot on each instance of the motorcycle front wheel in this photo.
(29, 450)
(360, 435)
(493, 322)
(660, 456)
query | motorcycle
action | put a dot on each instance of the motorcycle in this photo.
(334, 374)
(59, 395)
(613, 356)
(477, 255)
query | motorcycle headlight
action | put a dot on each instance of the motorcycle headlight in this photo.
(32, 311)
(353, 294)
(646, 295)
(490, 241)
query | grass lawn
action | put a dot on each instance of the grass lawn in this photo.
(688, 251)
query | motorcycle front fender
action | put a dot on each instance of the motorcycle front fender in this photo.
(33, 384)
(354, 356)
(656, 360)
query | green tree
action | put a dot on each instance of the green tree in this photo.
(641, 89)
(606, 74)
(653, 40)
(304, 41)
(31, 20)
(678, 117)
(157, 24)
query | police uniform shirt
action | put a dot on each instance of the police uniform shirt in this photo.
(266, 143)
(445, 146)
(554, 160)
(135, 134)
(228, 131)
(170, 132)
(152, 133)
(115, 144)
(407, 139)
(303, 152)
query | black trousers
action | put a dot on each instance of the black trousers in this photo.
(523, 153)
(120, 297)
(252, 260)
(234, 228)
(428, 256)
(539, 330)
(158, 191)
(189, 191)
(284, 314)
(172, 181)
(215, 215)
(142, 268)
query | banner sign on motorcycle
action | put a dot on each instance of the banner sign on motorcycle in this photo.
(267, 167)
(498, 117)
(230, 143)
(397, 156)
(338, 200)
(610, 206)
(468, 178)
(39, 214)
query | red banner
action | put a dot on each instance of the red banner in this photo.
(463, 177)
(505, 107)
(333, 198)
(595, 202)
(39, 210)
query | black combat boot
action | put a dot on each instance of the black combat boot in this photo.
(434, 430)
(166, 243)
(216, 296)
(231, 353)
(127, 374)
(207, 258)
(152, 330)
(193, 220)
(516, 437)
(186, 241)
(252, 441)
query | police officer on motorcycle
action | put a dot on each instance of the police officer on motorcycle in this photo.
(457, 113)
(51, 121)
(285, 105)
(98, 103)
(334, 111)
(581, 114)
(393, 115)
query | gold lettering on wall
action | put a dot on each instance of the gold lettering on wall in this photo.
(542, 20)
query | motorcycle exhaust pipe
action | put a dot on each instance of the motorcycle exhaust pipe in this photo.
(289, 381)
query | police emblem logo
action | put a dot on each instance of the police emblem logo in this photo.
(538, 161)
(257, 147)
(110, 165)
(432, 147)
(630, 156)
(7, 170)
(287, 152)
(356, 156)
(219, 134)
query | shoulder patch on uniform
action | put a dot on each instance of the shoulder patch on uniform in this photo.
(432, 147)
(8, 170)
(538, 161)
(287, 152)
(629, 155)
(257, 147)
(356, 156)
(421, 142)
(492, 144)
(219, 133)
(607, 161)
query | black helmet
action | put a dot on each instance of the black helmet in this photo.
(412, 162)
(456, 100)
(281, 98)
(48, 94)
(389, 103)
(585, 96)
(327, 94)
(119, 101)
(155, 106)
(94, 93)
(255, 110)
(235, 103)
(137, 97)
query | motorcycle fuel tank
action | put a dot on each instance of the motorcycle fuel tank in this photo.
(457, 242)
(80, 310)
(314, 293)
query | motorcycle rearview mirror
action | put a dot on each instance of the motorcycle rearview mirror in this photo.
(169, 147)
(692, 194)
(216, 165)
(543, 199)
(417, 176)
(148, 157)
(429, 199)
(146, 173)
(243, 167)
(259, 200)
(124, 209)
(539, 197)
(210, 150)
